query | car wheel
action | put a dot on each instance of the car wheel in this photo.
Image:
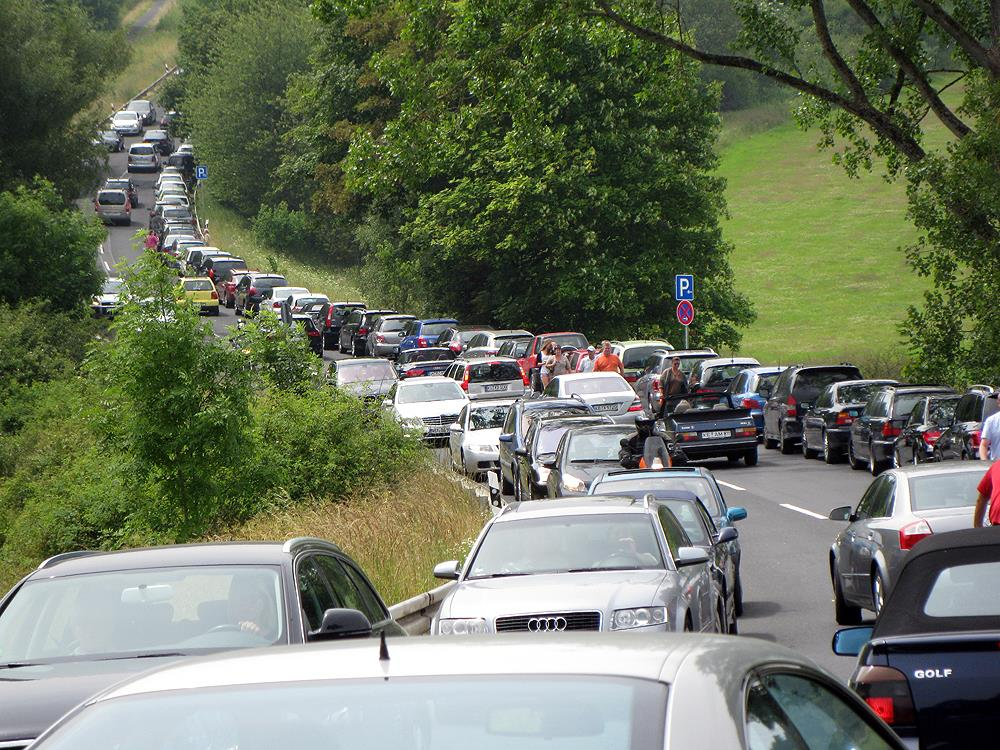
(852, 459)
(738, 595)
(505, 487)
(732, 628)
(808, 452)
(750, 457)
(878, 591)
(829, 456)
(787, 444)
(844, 613)
(462, 468)
(874, 466)
(769, 443)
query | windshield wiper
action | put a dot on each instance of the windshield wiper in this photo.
(498, 575)
(591, 460)
(149, 655)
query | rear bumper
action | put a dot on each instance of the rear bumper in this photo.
(838, 437)
(716, 449)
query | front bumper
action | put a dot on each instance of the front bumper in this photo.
(480, 461)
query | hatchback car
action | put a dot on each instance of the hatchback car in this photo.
(279, 296)
(126, 184)
(583, 454)
(794, 394)
(126, 123)
(142, 157)
(751, 389)
(416, 363)
(369, 379)
(83, 620)
(488, 377)
(457, 338)
(201, 291)
(899, 508)
(474, 440)
(607, 393)
(113, 207)
(426, 407)
(929, 419)
(601, 564)
(418, 334)
(314, 335)
(961, 440)
(385, 335)
(634, 353)
(826, 425)
(357, 326)
(528, 691)
(253, 288)
(515, 349)
(648, 385)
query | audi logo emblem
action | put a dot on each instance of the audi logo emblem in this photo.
(546, 624)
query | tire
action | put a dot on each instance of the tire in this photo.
(787, 444)
(750, 458)
(688, 627)
(828, 455)
(844, 613)
(874, 466)
(808, 452)
(738, 595)
(505, 487)
(769, 443)
(852, 459)
(878, 591)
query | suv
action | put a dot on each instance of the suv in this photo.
(336, 313)
(488, 377)
(648, 383)
(711, 376)
(253, 288)
(385, 335)
(796, 391)
(491, 341)
(160, 140)
(961, 440)
(418, 334)
(142, 157)
(634, 354)
(113, 207)
(83, 620)
(874, 433)
(220, 269)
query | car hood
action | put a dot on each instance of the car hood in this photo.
(558, 592)
(34, 698)
(483, 437)
(430, 408)
(590, 472)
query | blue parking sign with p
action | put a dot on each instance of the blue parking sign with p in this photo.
(201, 172)
(683, 286)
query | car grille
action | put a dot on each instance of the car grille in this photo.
(444, 419)
(549, 621)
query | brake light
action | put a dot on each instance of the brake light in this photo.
(656, 385)
(312, 332)
(524, 377)
(889, 431)
(252, 291)
(974, 438)
(415, 372)
(931, 436)
(465, 380)
(887, 693)
(844, 418)
(791, 411)
(745, 432)
(913, 532)
(688, 436)
(215, 294)
(631, 378)
(749, 403)
(636, 406)
(455, 346)
(362, 331)
(421, 342)
(379, 337)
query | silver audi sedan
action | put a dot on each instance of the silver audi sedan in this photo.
(516, 692)
(596, 563)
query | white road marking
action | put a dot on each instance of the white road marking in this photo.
(731, 486)
(803, 511)
(106, 266)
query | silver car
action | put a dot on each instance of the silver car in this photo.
(607, 393)
(488, 377)
(899, 508)
(113, 207)
(126, 123)
(384, 338)
(610, 564)
(106, 303)
(584, 691)
(474, 442)
(369, 379)
(648, 383)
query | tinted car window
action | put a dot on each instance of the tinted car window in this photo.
(493, 371)
(316, 598)
(878, 406)
(904, 403)
(635, 356)
(198, 285)
(344, 589)
(425, 355)
(956, 490)
(488, 417)
(690, 520)
(809, 383)
(942, 412)
(433, 329)
(966, 411)
(672, 530)
(723, 374)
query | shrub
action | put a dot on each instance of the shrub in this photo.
(281, 228)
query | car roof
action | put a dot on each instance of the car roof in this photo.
(865, 381)
(588, 505)
(437, 320)
(363, 361)
(729, 361)
(425, 379)
(488, 402)
(766, 370)
(574, 376)
(215, 553)
(571, 419)
(936, 469)
(510, 332)
(642, 342)
(621, 475)
(922, 389)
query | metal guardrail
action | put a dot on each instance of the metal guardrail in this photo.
(146, 90)
(414, 615)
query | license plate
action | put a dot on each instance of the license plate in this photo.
(605, 407)
(437, 430)
(492, 388)
(716, 434)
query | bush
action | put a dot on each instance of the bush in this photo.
(281, 228)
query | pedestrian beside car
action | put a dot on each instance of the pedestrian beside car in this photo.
(562, 365)
(608, 361)
(152, 241)
(673, 382)
(548, 362)
(587, 361)
(989, 436)
(989, 495)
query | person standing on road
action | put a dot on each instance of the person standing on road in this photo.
(152, 241)
(673, 383)
(608, 361)
(989, 494)
(561, 366)
(989, 436)
(547, 362)
(587, 360)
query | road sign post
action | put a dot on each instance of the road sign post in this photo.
(201, 172)
(685, 316)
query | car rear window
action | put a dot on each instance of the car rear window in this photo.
(395, 325)
(141, 150)
(576, 340)
(426, 355)
(953, 490)
(489, 372)
(965, 591)
(434, 329)
(904, 403)
(723, 374)
(111, 198)
(635, 356)
(198, 285)
(858, 394)
(810, 383)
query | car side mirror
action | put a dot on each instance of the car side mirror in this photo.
(448, 570)
(736, 514)
(549, 463)
(690, 556)
(850, 641)
(843, 513)
(341, 623)
(727, 534)
(454, 427)
(521, 453)
(507, 437)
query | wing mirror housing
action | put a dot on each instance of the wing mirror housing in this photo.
(728, 534)
(850, 641)
(843, 513)
(735, 514)
(690, 556)
(341, 623)
(447, 570)
(507, 437)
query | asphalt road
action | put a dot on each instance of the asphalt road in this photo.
(785, 538)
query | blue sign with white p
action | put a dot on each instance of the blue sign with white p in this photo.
(201, 172)
(683, 286)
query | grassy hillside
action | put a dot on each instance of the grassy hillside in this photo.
(819, 254)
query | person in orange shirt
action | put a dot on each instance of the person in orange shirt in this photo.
(608, 361)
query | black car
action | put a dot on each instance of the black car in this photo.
(583, 455)
(314, 333)
(112, 140)
(161, 141)
(126, 184)
(84, 620)
(540, 444)
(961, 440)
(826, 427)
(701, 426)
(336, 314)
(184, 161)
(874, 432)
(930, 417)
(253, 288)
(794, 394)
(357, 326)
(415, 363)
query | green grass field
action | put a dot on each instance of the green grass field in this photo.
(820, 254)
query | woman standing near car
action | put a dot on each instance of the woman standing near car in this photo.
(548, 361)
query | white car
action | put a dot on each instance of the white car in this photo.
(427, 406)
(127, 123)
(474, 442)
(607, 393)
(311, 296)
(279, 294)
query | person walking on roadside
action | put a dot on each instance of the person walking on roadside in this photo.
(547, 362)
(989, 440)
(587, 360)
(152, 241)
(608, 361)
(673, 383)
(989, 495)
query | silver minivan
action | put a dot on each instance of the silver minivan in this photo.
(384, 339)
(142, 157)
(488, 377)
(113, 207)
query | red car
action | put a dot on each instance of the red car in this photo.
(529, 363)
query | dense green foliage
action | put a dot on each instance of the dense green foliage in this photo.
(53, 65)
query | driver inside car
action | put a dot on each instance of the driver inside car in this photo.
(252, 608)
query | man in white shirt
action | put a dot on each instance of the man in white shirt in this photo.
(587, 361)
(989, 436)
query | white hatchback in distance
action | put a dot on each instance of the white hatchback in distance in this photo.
(607, 393)
(427, 406)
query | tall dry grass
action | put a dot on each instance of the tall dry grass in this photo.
(396, 534)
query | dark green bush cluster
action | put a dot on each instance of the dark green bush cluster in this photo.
(285, 229)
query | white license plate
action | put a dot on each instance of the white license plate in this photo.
(437, 430)
(492, 388)
(605, 407)
(717, 434)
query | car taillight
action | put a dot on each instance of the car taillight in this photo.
(379, 337)
(329, 317)
(974, 438)
(888, 430)
(887, 693)
(215, 294)
(362, 331)
(636, 406)
(252, 291)
(524, 377)
(631, 378)
(931, 436)
(415, 372)
(465, 380)
(313, 332)
(455, 346)
(844, 418)
(749, 403)
(913, 533)
(791, 411)
(656, 385)
(745, 432)
(421, 342)
(688, 436)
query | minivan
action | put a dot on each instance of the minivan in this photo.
(113, 206)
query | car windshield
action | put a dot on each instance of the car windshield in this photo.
(951, 490)
(560, 544)
(425, 355)
(857, 394)
(699, 486)
(435, 329)
(198, 285)
(576, 340)
(488, 417)
(965, 591)
(416, 393)
(493, 371)
(492, 712)
(359, 373)
(112, 286)
(170, 610)
(942, 412)
(548, 436)
(589, 447)
(593, 386)
(635, 356)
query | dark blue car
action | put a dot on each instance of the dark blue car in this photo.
(751, 389)
(420, 334)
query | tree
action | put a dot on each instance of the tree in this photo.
(870, 100)
(278, 355)
(547, 170)
(46, 250)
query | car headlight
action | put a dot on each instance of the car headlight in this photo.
(464, 626)
(573, 483)
(638, 617)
